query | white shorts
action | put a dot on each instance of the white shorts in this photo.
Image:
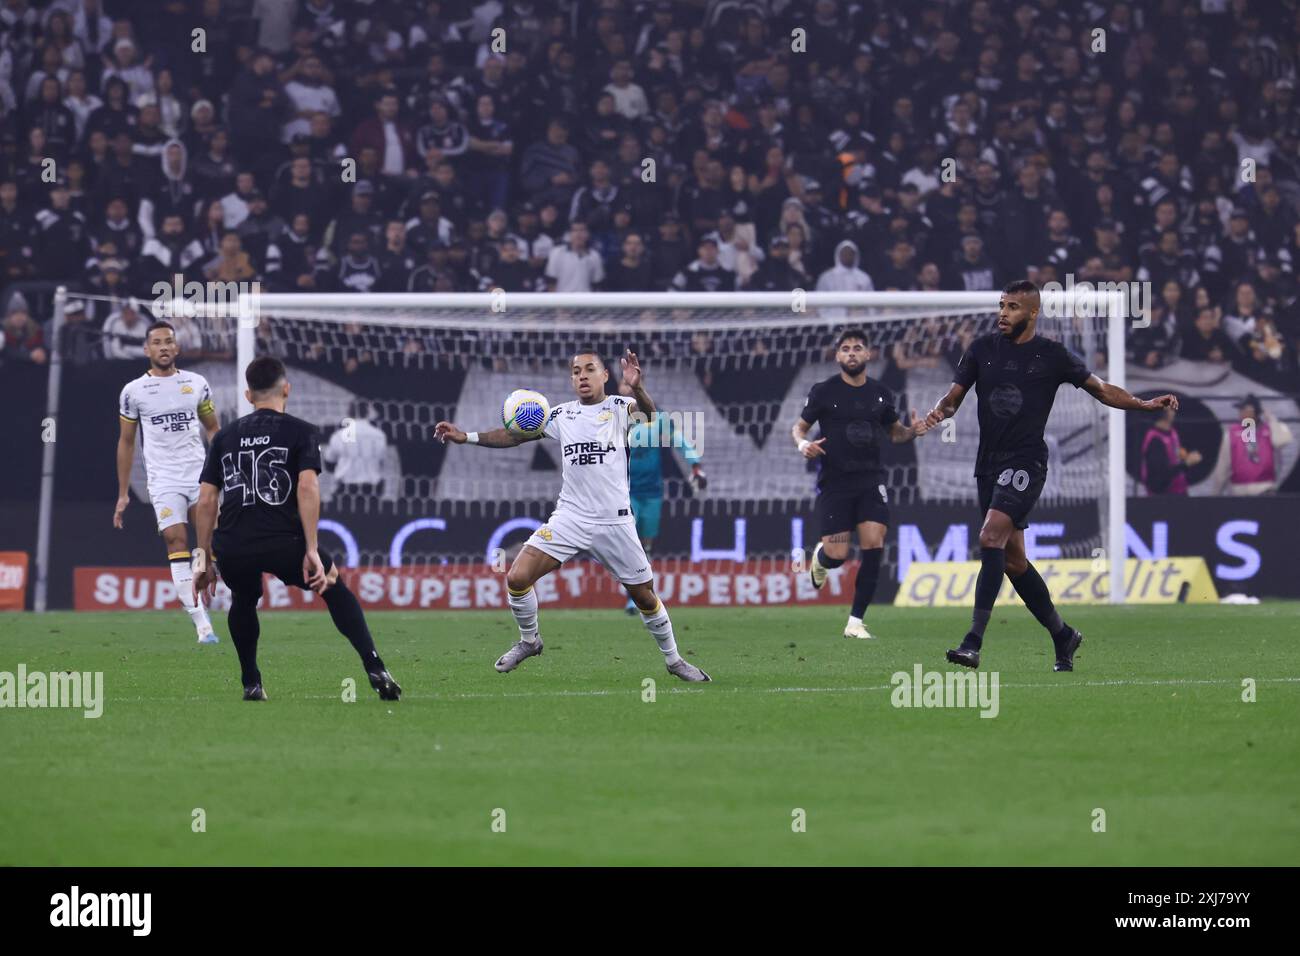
(616, 546)
(173, 507)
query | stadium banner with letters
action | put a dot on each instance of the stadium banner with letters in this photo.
(1246, 542)
(13, 580)
(1076, 581)
(579, 584)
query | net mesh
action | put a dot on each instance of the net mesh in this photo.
(385, 375)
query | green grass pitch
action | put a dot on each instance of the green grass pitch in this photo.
(1151, 728)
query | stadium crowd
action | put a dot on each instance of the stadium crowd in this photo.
(364, 145)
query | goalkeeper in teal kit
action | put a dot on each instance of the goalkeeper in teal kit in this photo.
(646, 473)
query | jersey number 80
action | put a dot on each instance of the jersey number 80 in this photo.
(258, 473)
(1018, 479)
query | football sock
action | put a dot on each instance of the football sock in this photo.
(1033, 591)
(993, 565)
(524, 607)
(345, 612)
(183, 578)
(826, 561)
(661, 629)
(244, 631)
(864, 585)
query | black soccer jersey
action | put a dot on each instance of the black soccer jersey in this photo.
(1016, 385)
(854, 421)
(255, 461)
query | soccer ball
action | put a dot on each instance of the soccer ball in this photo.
(525, 412)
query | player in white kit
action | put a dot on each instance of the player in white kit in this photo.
(593, 513)
(170, 409)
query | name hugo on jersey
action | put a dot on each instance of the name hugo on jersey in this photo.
(588, 452)
(252, 441)
(173, 421)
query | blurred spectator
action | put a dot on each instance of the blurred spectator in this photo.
(574, 266)
(231, 263)
(706, 273)
(61, 244)
(1164, 462)
(257, 107)
(358, 270)
(1269, 358)
(124, 333)
(1243, 315)
(973, 270)
(899, 273)
(550, 169)
(79, 341)
(490, 143)
(388, 134)
(306, 86)
(444, 136)
(845, 276)
(775, 273)
(1157, 342)
(670, 252)
(396, 260)
(1248, 461)
(15, 236)
(24, 339)
(511, 272)
(1208, 342)
(736, 250)
(631, 272)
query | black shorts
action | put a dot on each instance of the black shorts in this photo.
(243, 572)
(840, 509)
(1013, 490)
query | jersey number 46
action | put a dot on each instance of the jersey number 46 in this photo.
(258, 473)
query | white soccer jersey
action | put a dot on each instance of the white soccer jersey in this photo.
(593, 440)
(171, 437)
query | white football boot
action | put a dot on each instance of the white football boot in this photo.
(815, 570)
(855, 628)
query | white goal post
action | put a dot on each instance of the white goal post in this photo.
(551, 321)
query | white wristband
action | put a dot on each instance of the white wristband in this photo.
(803, 443)
(472, 438)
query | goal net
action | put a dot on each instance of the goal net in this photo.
(377, 372)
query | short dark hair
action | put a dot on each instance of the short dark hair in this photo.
(849, 335)
(591, 350)
(263, 373)
(1020, 287)
(156, 325)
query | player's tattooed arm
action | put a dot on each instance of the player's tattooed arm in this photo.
(809, 449)
(496, 438)
(900, 434)
(125, 456)
(946, 407)
(1116, 397)
(632, 376)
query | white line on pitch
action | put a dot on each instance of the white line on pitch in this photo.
(633, 691)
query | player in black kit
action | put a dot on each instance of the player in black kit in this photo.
(856, 416)
(1016, 374)
(265, 465)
